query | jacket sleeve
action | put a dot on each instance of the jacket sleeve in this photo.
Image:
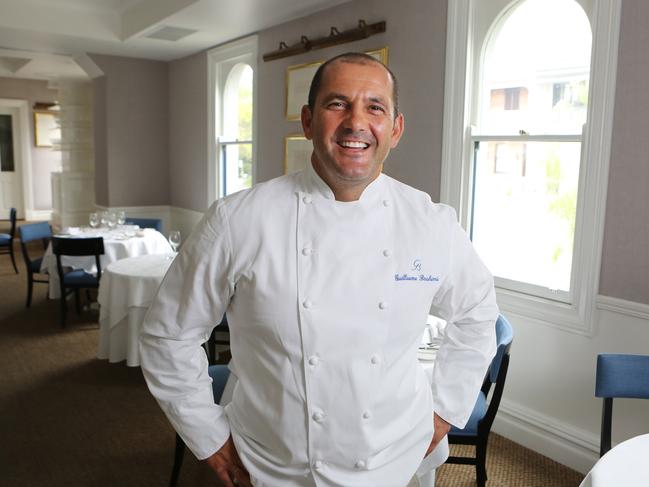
(467, 301)
(190, 302)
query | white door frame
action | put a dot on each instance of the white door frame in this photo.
(22, 153)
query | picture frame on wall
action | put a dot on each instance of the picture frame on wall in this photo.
(297, 153)
(46, 129)
(298, 82)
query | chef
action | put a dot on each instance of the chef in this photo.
(327, 277)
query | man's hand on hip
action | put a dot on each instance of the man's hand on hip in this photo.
(228, 467)
(441, 430)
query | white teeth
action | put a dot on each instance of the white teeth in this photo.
(354, 145)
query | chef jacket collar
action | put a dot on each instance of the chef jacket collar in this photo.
(314, 184)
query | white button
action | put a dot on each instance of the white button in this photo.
(318, 464)
(386, 202)
(307, 199)
(367, 415)
(307, 251)
(359, 464)
(318, 416)
(375, 359)
(307, 303)
(387, 252)
(314, 360)
(383, 305)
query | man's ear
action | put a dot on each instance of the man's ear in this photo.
(397, 130)
(306, 118)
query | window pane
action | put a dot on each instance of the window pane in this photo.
(524, 210)
(236, 167)
(245, 104)
(536, 70)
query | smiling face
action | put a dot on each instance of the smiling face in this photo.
(352, 126)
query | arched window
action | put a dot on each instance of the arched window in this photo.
(236, 142)
(527, 131)
(532, 104)
(231, 153)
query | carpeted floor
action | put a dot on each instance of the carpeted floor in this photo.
(69, 419)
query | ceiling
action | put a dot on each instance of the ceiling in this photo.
(46, 39)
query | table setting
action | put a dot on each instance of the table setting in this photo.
(120, 241)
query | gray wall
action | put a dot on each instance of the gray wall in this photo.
(188, 132)
(132, 155)
(44, 160)
(625, 260)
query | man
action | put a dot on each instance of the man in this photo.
(327, 277)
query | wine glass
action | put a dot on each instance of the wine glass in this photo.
(93, 219)
(121, 217)
(174, 239)
(111, 220)
(103, 218)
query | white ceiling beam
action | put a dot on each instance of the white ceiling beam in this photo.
(145, 15)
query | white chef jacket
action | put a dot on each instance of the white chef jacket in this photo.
(327, 302)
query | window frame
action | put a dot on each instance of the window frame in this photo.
(455, 190)
(220, 62)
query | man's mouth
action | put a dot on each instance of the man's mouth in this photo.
(353, 144)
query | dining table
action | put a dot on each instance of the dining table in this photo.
(119, 243)
(126, 290)
(623, 465)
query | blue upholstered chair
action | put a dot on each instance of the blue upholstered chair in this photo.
(619, 375)
(476, 431)
(76, 279)
(7, 239)
(219, 375)
(29, 233)
(155, 223)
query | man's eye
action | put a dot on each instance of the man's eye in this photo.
(377, 108)
(336, 105)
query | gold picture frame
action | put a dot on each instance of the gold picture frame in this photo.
(297, 153)
(46, 129)
(298, 82)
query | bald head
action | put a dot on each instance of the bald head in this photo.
(352, 58)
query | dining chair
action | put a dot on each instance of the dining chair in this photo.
(76, 279)
(619, 375)
(155, 223)
(7, 239)
(219, 375)
(476, 431)
(29, 233)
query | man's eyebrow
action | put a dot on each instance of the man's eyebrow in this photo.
(335, 96)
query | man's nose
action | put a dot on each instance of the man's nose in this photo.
(355, 119)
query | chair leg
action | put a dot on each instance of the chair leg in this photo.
(481, 462)
(179, 454)
(77, 303)
(30, 288)
(64, 309)
(11, 254)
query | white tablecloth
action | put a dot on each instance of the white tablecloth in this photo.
(118, 244)
(625, 465)
(126, 291)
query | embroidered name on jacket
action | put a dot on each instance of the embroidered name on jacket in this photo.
(416, 266)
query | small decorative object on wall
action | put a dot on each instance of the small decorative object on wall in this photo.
(297, 153)
(46, 128)
(335, 37)
(298, 81)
